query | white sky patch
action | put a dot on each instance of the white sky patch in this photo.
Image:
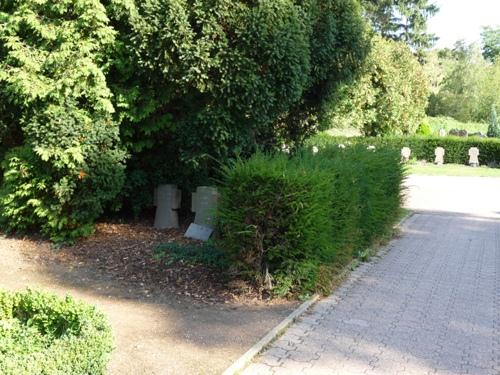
(462, 19)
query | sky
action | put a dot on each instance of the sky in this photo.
(462, 19)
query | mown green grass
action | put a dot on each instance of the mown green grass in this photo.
(428, 169)
(448, 123)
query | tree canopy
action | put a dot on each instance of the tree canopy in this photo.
(403, 20)
(388, 98)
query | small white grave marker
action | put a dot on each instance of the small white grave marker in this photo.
(405, 154)
(167, 200)
(371, 148)
(474, 157)
(439, 153)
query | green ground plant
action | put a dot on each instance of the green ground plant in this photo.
(44, 334)
(291, 223)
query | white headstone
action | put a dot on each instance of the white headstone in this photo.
(204, 204)
(167, 200)
(405, 154)
(372, 148)
(442, 132)
(439, 153)
(474, 157)
(342, 146)
(315, 150)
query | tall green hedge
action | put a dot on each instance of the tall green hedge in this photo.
(422, 148)
(44, 334)
(292, 222)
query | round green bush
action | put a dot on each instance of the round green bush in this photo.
(41, 333)
(424, 129)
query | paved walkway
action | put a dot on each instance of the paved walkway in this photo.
(430, 304)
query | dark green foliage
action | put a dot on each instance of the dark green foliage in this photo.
(199, 82)
(493, 128)
(64, 162)
(204, 254)
(424, 129)
(490, 37)
(422, 148)
(403, 20)
(300, 219)
(44, 334)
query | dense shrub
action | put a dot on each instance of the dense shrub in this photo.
(292, 222)
(389, 97)
(64, 162)
(424, 129)
(44, 334)
(199, 82)
(422, 148)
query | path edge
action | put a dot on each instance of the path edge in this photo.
(246, 358)
(242, 362)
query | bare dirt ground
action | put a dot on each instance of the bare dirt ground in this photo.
(167, 321)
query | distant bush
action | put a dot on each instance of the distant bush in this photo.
(424, 129)
(422, 148)
(292, 222)
(44, 334)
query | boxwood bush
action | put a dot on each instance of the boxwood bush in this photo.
(44, 334)
(291, 223)
(422, 148)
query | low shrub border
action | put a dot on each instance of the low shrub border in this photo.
(456, 148)
(292, 223)
(41, 333)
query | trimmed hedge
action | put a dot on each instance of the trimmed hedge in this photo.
(422, 148)
(291, 223)
(41, 333)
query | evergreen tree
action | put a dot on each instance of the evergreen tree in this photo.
(490, 37)
(402, 20)
(493, 129)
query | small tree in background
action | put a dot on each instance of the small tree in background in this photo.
(493, 129)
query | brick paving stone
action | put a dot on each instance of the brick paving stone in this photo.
(430, 304)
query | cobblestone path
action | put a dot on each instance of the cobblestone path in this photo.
(429, 304)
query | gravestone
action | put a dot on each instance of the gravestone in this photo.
(204, 203)
(405, 154)
(167, 200)
(342, 146)
(371, 148)
(442, 132)
(439, 153)
(315, 150)
(474, 157)
(198, 232)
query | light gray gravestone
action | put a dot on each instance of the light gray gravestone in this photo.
(204, 204)
(198, 232)
(405, 154)
(439, 153)
(442, 132)
(474, 157)
(371, 148)
(167, 200)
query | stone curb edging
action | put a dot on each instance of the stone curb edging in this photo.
(242, 362)
(245, 359)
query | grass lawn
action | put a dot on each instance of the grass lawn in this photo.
(449, 123)
(452, 170)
